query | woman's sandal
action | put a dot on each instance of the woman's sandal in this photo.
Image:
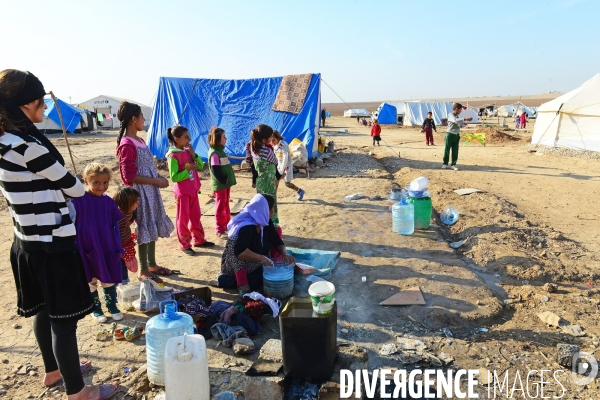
(108, 390)
(84, 367)
(152, 277)
(164, 271)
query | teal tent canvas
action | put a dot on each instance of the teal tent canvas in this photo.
(237, 106)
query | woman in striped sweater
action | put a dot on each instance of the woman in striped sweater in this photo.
(49, 274)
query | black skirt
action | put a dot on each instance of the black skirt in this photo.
(55, 282)
(376, 138)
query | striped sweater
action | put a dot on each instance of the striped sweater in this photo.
(34, 185)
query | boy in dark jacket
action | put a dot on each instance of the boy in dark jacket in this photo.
(428, 127)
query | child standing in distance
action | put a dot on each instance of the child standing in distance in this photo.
(453, 135)
(265, 163)
(98, 239)
(137, 168)
(222, 179)
(376, 132)
(429, 127)
(128, 200)
(285, 165)
(184, 165)
(523, 120)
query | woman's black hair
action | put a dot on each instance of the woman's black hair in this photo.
(270, 200)
(259, 134)
(175, 132)
(125, 113)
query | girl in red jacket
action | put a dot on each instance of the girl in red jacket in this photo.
(376, 132)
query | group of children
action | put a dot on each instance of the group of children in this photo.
(104, 236)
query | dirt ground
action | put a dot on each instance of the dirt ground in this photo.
(532, 224)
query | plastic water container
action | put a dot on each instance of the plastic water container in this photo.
(423, 209)
(159, 330)
(450, 215)
(126, 294)
(186, 368)
(403, 217)
(278, 281)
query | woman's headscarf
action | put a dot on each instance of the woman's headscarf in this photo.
(255, 213)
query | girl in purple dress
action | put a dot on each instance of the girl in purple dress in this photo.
(98, 239)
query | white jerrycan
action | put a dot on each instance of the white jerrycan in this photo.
(186, 369)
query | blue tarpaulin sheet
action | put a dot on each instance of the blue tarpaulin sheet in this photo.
(323, 261)
(387, 114)
(71, 115)
(237, 106)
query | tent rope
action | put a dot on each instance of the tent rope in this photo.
(187, 102)
(343, 101)
(62, 123)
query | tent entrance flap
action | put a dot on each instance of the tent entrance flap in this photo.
(237, 106)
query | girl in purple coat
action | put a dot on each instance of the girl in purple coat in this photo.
(98, 239)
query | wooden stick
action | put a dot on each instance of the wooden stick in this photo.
(62, 123)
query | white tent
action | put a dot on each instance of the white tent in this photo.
(108, 106)
(357, 112)
(571, 120)
(416, 112)
(507, 110)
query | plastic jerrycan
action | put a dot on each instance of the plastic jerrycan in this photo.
(159, 329)
(186, 369)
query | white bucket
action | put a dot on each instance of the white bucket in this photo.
(321, 295)
(421, 183)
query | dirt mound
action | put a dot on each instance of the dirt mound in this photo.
(504, 241)
(496, 136)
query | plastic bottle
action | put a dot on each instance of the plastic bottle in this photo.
(186, 368)
(159, 330)
(403, 217)
(450, 215)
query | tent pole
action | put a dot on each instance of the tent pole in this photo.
(62, 123)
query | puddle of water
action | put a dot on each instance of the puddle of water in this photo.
(489, 279)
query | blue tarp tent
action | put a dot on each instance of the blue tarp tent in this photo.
(71, 115)
(387, 114)
(237, 106)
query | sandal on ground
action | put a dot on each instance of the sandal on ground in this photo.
(134, 333)
(84, 367)
(164, 271)
(119, 334)
(107, 391)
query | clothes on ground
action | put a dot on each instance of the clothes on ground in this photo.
(228, 314)
(152, 221)
(267, 300)
(251, 326)
(285, 163)
(218, 307)
(454, 123)
(227, 334)
(31, 172)
(254, 308)
(98, 237)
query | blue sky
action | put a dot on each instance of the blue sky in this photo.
(365, 50)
